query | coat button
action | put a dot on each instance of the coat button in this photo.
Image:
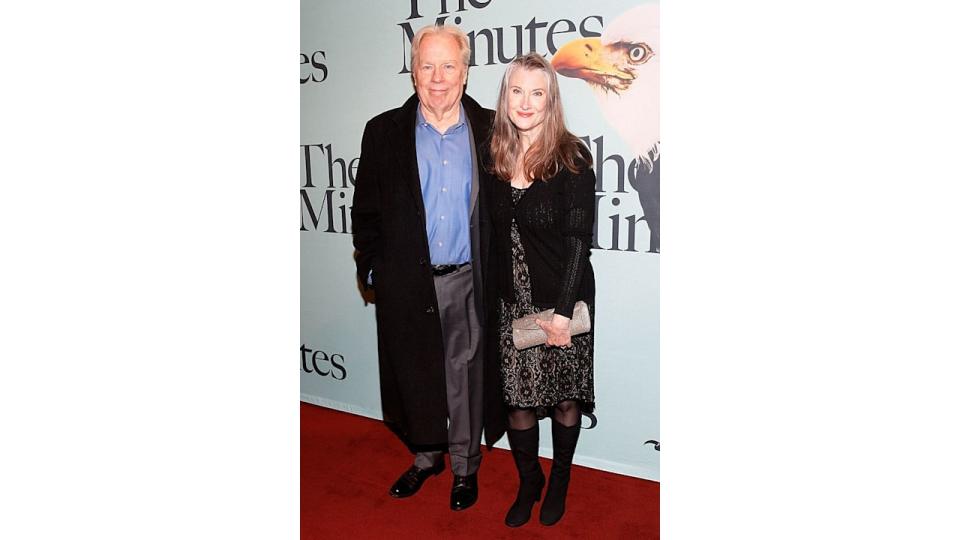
(430, 309)
(423, 262)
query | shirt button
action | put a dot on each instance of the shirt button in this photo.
(442, 218)
(440, 244)
(444, 162)
(443, 190)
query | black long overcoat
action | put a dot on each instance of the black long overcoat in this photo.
(389, 234)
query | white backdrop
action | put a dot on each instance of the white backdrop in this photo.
(354, 65)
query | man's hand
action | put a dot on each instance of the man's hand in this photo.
(558, 331)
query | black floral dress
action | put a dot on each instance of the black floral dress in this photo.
(540, 377)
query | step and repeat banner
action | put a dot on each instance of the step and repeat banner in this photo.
(354, 64)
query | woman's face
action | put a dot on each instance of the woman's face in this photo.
(527, 100)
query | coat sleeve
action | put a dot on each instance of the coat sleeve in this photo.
(365, 213)
(576, 229)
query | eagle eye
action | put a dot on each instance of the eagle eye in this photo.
(640, 53)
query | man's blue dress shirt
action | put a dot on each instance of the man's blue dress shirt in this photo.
(446, 172)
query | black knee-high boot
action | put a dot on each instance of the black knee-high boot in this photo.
(564, 445)
(524, 445)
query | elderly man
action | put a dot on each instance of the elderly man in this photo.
(422, 241)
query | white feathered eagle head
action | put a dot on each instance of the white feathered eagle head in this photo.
(622, 67)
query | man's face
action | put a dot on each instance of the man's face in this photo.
(440, 74)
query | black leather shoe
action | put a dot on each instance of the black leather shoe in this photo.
(410, 482)
(464, 492)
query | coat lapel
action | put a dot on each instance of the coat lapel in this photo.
(479, 125)
(475, 170)
(404, 140)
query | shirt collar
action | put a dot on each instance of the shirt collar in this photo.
(422, 121)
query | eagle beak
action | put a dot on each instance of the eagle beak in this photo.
(590, 60)
(578, 58)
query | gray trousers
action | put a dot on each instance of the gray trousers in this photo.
(463, 366)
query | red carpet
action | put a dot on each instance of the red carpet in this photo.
(348, 462)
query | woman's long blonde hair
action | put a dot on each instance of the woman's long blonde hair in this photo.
(555, 147)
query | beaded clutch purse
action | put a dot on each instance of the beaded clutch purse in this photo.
(527, 334)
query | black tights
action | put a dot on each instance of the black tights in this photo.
(566, 412)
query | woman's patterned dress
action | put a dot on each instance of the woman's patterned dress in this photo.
(541, 376)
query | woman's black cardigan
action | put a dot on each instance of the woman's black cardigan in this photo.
(555, 220)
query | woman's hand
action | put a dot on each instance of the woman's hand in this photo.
(558, 331)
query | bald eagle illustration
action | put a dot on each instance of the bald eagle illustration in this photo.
(622, 67)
